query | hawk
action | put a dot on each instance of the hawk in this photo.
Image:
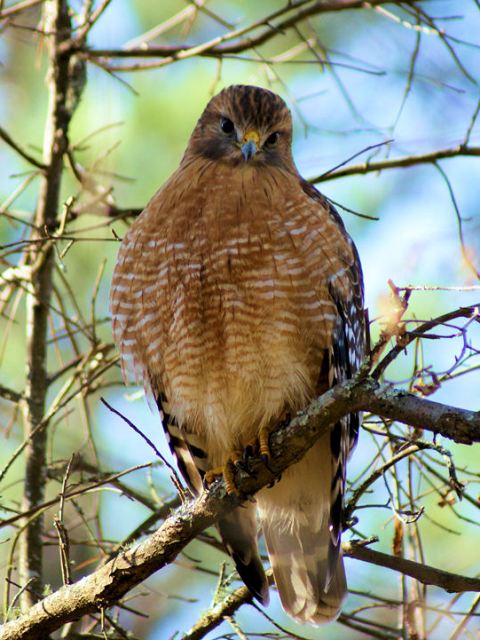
(237, 298)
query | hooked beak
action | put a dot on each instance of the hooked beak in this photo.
(249, 145)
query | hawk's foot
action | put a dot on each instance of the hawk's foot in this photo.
(227, 471)
(264, 443)
(264, 436)
(259, 446)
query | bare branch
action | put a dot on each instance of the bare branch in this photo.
(221, 45)
(216, 615)
(425, 574)
(288, 444)
(21, 152)
(65, 323)
(424, 328)
(459, 425)
(19, 7)
(10, 394)
(397, 163)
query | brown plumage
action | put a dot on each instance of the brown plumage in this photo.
(237, 297)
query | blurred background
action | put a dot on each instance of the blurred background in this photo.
(370, 85)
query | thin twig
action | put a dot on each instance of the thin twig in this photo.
(398, 163)
(21, 152)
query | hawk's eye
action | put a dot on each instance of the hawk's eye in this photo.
(226, 125)
(272, 139)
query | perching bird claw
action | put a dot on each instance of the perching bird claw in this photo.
(259, 446)
(228, 473)
(264, 444)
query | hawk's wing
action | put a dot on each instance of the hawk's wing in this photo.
(238, 528)
(306, 556)
(345, 358)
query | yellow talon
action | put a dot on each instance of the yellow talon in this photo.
(227, 471)
(237, 456)
(263, 442)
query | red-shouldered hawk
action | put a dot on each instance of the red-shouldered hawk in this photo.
(237, 298)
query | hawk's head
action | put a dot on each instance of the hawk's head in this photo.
(244, 124)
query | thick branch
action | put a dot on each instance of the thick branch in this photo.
(457, 424)
(110, 583)
(288, 444)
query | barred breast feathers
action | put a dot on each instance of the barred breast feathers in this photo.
(223, 304)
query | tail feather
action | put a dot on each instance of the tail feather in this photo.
(302, 541)
(308, 590)
(239, 534)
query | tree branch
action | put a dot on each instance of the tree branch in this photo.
(221, 45)
(10, 394)
(423, 573)
(57, 24)
(216, 615)
(459, 425)
(26, 156)
(288, 444)
(397, 163)
(462, 312)
(451, 582)
(8, 12)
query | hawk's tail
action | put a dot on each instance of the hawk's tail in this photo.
(301, 522)
(300, 561)
(239, 534)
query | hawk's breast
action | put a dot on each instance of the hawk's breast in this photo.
(234, 310)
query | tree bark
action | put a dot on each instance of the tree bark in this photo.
(41, 261)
